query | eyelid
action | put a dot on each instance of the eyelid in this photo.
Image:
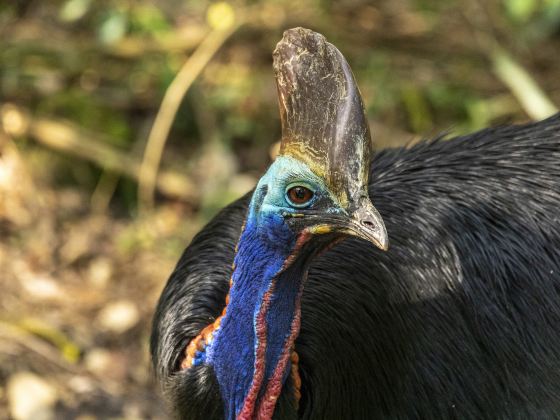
(300, 184)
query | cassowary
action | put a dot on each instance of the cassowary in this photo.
(292, 304)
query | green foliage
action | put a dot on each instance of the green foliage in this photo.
(148, 19)
(520, 11)
(105, 66)
(80, 107)
(417, 108)
(113, 26)
(74, 10)
(534, 19)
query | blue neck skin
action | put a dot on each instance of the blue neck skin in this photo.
(234, 349)
(248, 350)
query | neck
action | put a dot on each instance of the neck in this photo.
(251, 348)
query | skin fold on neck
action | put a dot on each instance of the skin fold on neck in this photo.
(250, 351)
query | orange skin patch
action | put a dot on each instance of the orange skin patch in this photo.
(206, 335)
(295, 376)
(201, 340)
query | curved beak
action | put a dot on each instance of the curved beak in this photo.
(365, 222)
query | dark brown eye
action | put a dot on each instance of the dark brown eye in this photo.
(299, 196)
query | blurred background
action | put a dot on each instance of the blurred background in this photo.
(126, 124)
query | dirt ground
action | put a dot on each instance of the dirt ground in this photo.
(78, 293)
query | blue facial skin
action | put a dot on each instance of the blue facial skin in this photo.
(264, 245)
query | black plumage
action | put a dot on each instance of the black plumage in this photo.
(460, 318)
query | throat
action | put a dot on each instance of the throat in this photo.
(250, 347)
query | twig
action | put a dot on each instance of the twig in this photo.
(13, 334)
(520, 83)
(16, 334)
(68, 138)
(104, 191)
(525, 89)
(168, 109)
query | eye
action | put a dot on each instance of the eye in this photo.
(298, 195)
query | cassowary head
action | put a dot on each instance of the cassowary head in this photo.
(314, 194)
(319, 182)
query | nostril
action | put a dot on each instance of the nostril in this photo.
(367, 223)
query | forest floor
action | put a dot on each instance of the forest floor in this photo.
(78, 294)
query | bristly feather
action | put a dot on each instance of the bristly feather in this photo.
(459, 319)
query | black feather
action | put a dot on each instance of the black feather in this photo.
(459, 319)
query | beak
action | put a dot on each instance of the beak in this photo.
(363, 222)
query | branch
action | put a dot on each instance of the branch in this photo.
(169, 106)
(13, 333)
(68, 138)
(525, 89)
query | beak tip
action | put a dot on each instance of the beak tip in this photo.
(385, 246)
(370, 226)
(383, 241)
